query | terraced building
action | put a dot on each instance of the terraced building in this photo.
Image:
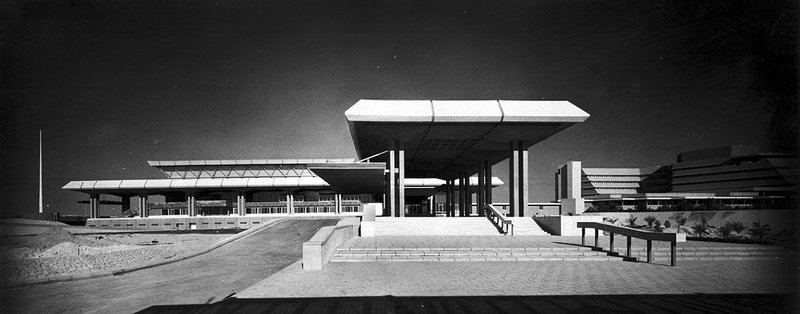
(730, 176)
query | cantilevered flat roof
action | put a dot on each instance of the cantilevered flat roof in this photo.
(120, 187)
(443, 137)
(216, 162)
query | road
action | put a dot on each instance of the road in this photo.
(204, 279)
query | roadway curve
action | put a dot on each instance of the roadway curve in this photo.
(203, 279)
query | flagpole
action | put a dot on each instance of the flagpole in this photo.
(40, 172)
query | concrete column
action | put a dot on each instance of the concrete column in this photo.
(338, 202)
(488, 168)
(290, 203)
(448, 197)
(401, 179)
(190, 205)
(432, 205)
(481, 188)
(392, 201)
(462, 195)
(94, 206)
(143, 210)
(513, 181)
(242, 204)
(459, 199)
(524, 193)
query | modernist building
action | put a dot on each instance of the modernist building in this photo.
(723, 177)
(408, 152)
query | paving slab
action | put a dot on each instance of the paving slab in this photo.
(483, 278)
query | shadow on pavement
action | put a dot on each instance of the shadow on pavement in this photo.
(664, 303)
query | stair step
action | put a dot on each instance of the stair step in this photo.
(440, 226)
(425, 258)
(556, 254)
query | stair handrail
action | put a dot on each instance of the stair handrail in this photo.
(672, 238)
(500, 221)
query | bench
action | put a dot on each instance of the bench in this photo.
(672, 238)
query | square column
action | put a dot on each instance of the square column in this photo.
(400, 210)
(290, 203)
(513, 181)
(487, 167)
(143, 210)
(337, 200)
(462, 193)
(448, 197)
(94, 206)
(190, 205)
(481, 188)
(524, 193)
(391, 200)
(518, 179)
(242, 204)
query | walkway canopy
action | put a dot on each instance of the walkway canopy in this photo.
(442, 137)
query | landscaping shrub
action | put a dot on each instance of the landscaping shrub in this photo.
(759, 231)
(737, 226)
(658, 226)
(681, 221)
(631, 221)
(702, 227)
(650, 220)
(667, 224)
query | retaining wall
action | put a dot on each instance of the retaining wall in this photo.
(205, 222)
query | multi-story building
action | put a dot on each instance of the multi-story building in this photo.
(723, 177)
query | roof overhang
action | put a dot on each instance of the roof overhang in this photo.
(442, 138)
(365, 177)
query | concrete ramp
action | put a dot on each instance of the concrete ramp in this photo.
(434, 226)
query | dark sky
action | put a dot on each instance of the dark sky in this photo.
(115, 83)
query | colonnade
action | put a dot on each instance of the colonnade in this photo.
(458, 193)
(240, 208)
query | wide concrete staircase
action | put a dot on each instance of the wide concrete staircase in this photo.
(570, 253)
(440, 226)
(527, 226)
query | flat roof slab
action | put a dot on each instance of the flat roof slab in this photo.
(443, 137)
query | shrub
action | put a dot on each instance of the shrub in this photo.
(759, 231)
(701, 228)
(631, 221)
(725, 230)
(667, 224)
(611, 220)
(658, 226)
(680, 221)
(737, 226)
(650, 220)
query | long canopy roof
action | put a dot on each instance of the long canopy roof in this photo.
(443, 137)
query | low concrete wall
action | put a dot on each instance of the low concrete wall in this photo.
(201, 222)
(368, 220)
(318, 250)
(564, 225)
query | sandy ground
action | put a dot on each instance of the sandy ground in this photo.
(45, 251)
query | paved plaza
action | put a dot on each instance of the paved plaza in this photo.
(485, 278)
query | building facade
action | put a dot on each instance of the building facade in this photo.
(725, 177)
(413, 156)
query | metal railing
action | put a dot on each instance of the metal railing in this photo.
(672, 238)
(503, 224)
